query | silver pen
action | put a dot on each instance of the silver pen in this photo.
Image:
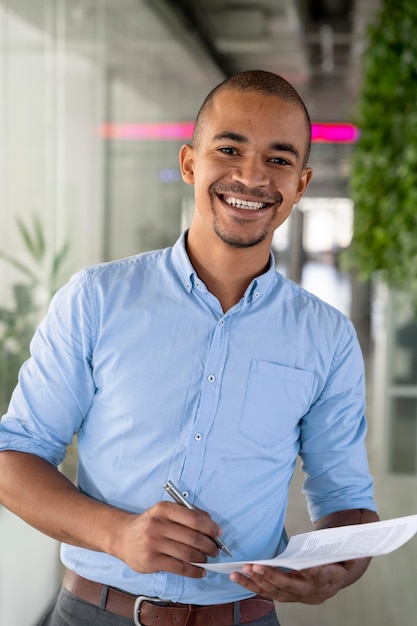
(176, 495)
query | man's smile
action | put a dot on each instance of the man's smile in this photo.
(240, 198)
(245, 204)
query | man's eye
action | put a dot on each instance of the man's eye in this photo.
(228, 150)
(280, 161)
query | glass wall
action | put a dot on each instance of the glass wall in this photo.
(96, 99)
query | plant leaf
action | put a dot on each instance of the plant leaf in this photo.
(35, 242)
(19, 265)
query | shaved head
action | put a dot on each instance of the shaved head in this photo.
(266, 83)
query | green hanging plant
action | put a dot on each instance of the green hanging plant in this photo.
(41, 277)
(383, 183)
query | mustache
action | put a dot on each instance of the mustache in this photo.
(256, 193)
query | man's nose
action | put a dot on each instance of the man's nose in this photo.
(251, 172)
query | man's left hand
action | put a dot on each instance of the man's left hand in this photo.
(309, 586)
(313, 585)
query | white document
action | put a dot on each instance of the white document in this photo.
(333, 545)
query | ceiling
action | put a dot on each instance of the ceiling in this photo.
(315, 44)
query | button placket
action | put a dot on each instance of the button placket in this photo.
(211, 381)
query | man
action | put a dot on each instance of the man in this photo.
(199, 364)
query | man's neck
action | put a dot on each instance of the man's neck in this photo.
(227, 271)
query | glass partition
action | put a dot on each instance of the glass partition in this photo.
(96, 100)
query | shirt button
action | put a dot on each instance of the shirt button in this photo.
(256, 294)
(211, 378)
(221, 322)
(185, 494)
(197, 436)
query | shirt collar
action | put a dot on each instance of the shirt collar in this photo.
(189, 278)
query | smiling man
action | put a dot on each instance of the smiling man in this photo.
(201, 364)
(248, 165)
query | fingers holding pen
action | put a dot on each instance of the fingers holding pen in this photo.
(167, 537)
(180, 498)
(194, 528)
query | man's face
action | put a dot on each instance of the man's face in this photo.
(247, 166)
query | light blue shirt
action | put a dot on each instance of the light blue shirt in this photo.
(138, 358)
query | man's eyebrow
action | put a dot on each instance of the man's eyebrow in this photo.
(276, 146)
(229, 134)
(285, 147)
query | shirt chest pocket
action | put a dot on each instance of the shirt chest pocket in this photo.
(276, 398)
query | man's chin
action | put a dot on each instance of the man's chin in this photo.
(235, 241)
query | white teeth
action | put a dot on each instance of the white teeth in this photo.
(244, 204)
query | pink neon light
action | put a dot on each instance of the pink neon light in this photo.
(331, 133)
(183, 131)
(166, 131)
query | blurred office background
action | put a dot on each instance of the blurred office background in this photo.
(96, 97)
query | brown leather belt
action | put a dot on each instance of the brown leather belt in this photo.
(150, 611)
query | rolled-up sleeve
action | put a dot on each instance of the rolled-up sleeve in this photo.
(56, 385)
(333, 437)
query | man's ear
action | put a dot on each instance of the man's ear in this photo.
(187, 163)
(303, 183)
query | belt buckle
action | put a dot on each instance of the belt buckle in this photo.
(136, 607)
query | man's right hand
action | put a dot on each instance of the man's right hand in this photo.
(167, 537)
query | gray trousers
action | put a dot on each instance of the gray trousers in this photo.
(68, 610)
